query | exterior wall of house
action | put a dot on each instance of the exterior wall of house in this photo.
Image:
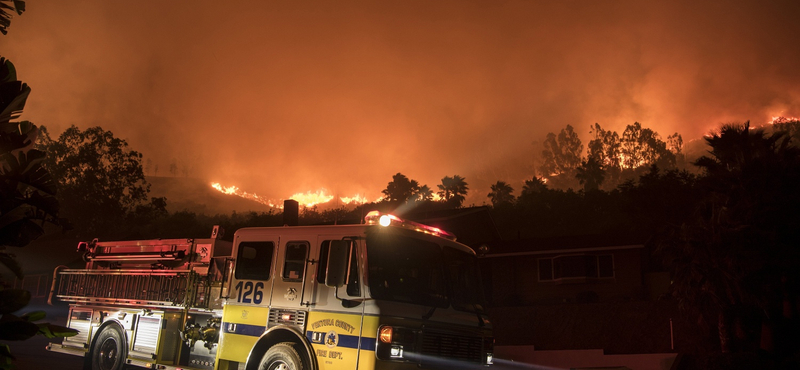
(563, 276)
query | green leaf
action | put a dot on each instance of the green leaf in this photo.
(56, 331)
(10, 263)
(12, 300)
(20, 232)
(5, 351)
(20, 6)
(34, 316)
(17, 329)
(8, 72)
(44, 203)
(32, 172)
(6, 357)
(15, 93)
(10, 141)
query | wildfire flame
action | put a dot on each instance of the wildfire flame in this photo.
(623, 160)
(233, 190)
(310, 199)
(307, 199)
(355, 199)
(782, 119)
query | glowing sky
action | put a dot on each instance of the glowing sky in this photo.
(280, 97)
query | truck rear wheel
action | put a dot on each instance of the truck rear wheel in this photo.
(281, 356)
(109, 350)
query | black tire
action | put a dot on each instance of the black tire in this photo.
(281, 356)
(110, 349)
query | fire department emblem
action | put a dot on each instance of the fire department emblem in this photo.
(291, 294)
(331, 339)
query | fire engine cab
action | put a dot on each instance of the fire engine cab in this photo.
(385, 294)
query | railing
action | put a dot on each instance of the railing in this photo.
(36, 284)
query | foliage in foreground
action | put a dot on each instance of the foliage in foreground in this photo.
(27, 202)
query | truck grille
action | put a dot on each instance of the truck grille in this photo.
(448, 345)
(287, 317)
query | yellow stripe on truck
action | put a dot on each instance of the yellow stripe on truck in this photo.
(337, 340)
(241, 328)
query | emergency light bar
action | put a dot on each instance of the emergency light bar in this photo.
(385, 219)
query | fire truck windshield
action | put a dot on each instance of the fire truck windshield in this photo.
(404, 268)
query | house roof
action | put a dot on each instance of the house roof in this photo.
(573, 243)
(472, 226)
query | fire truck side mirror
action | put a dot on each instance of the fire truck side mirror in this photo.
(336, 270)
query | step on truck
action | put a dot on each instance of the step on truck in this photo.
(385, 294)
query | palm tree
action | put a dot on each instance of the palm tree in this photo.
(736, 147)
(453, 190)
(534, 185)
(738, 245)
(501, 194)
(424, 194)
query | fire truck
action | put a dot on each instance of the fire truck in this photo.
(385, 294)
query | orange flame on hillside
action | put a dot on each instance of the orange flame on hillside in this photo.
(356, 198)
(233, 190)
(307, 199)
(310, 199)
(782, 119)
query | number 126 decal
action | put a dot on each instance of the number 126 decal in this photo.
(244, 291)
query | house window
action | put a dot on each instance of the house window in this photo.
(576, 266)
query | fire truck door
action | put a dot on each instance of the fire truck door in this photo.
(291, 271)
(245, 315)
(255, 263)
(336, 319)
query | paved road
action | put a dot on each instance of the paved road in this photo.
(32, 355)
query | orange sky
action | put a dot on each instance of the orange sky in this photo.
(279, 98)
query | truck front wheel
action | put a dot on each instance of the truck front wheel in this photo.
(109, 350)
(281, 356)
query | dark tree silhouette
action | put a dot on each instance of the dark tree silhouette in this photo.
(424, 194)
(534, 185)
(675, 144)
(453, 190)
(590, 174)
(502, 194)
(561, 153)
(605, 147)
(643, 147)
(101, 180)
(738, 251)
(401, 189)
